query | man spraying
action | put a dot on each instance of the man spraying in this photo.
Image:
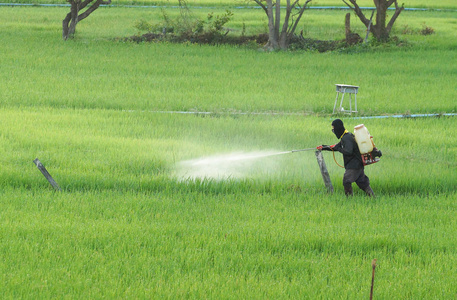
(353, 162)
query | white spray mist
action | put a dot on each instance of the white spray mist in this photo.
(233, 165)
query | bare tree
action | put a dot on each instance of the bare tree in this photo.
(279, 38)
(75, 15)
(380, 30)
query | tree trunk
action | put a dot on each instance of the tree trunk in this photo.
(272, 37)
(284, 42)
(380, 30)
(74, 17)
(280, 39)
(284, 36)
(277, 18)
(70, 21)
(65, 28)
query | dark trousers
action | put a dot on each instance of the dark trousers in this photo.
(358, 176)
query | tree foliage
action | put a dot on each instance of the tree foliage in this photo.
(186, 28)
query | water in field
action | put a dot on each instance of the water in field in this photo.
(233, 165)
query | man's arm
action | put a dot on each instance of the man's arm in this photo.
(337, 147)
(345, 146)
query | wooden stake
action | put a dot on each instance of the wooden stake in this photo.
(347, 25)
(373, 264)
(324, 172)
(46, 174)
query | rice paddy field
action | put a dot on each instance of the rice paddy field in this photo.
(145, 139)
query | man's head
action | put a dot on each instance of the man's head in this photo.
(338, 128)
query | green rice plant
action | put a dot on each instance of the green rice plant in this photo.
(163, 76)
(94, 244)
(97, 152)
(127, 225)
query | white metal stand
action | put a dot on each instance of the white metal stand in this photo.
(345, 89)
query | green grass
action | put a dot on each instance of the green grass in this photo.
(165, 77)
(126, 225)
(91, 148)
(193, 245)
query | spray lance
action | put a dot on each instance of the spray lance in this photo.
(363, 138)
(300, 150)
(319, 148)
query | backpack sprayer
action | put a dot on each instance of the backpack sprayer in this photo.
(370, 154)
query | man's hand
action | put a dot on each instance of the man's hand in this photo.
(324, 148)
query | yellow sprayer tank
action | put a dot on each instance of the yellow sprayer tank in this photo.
(363, 139)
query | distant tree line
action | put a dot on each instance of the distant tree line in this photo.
(281, 27)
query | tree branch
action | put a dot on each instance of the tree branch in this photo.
(261, 5)
(398, 10)
(358, 12)
(348, 5)
(89, 10)
(84, 4)
(300, 14)
(286, 18)
(390, 2)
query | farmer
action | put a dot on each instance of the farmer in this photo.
(352, 159)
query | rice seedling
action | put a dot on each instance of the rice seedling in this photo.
(128, 225)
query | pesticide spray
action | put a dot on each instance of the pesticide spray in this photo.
(238, 165)
(232, 165)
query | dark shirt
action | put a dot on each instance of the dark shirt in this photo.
(351, 153)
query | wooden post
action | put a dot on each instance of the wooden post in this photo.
(347, 25)
(324, 172)
(373, 265)
(46, 174)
